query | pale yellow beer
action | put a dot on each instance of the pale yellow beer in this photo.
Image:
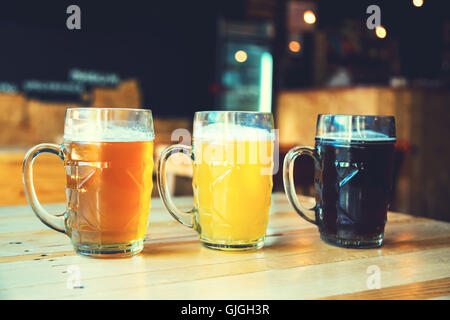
(233, 165)
(232, 183)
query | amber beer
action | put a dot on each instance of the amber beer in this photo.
(108, 157)
(109, 186)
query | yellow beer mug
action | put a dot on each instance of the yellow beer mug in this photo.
(232, 155)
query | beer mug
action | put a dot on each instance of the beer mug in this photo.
(108, 157)
(353, 178)
(232, 154)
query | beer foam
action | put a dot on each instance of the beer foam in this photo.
(231, 132)
(105, 132)
(357, 135)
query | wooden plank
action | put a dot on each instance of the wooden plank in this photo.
(289, 250)
(294, 264)
(413, 291)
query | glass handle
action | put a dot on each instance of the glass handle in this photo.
(186, 218)
(56, 222)
(288, 180)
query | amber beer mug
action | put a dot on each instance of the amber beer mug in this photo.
(108, 156)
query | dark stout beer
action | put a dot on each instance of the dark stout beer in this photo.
(353, 189)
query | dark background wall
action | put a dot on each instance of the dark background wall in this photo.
(170, 46)
(418, 31)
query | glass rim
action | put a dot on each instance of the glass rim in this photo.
(320, 115)
(233, 111)
(108, 124)
(229, 123)
(347, 127)
(108, 109)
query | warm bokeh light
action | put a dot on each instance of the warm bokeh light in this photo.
(309, 17)
(240, 56)
(294, 46)
(381, 32)
(418, 3)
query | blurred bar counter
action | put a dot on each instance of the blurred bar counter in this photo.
(422, 122)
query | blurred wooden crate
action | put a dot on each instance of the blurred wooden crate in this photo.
(422, 122)
(26, 122)
(46, 121)
(49, 178)
(297, 111)
(126, 95)
(13, 119)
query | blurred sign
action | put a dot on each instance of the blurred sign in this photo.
(78, 82)
(8, 87)
(52, 86)
(246, 31)
(94, 77)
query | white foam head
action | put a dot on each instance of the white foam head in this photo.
(93, 131)
(218, 132)
(356, 135)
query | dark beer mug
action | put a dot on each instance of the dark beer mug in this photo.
(353, 178)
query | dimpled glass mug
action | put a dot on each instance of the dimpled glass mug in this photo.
(353, 178)
(232, 155)
(108, 156)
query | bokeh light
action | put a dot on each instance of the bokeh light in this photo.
(309, 17)
(418, 3)
(240, 56)
(294, 46)
(380, 32)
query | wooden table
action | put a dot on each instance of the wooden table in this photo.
(36, 262)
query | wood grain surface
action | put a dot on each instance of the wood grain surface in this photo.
(39, 263)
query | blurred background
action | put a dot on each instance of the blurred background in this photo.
(294, 58)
